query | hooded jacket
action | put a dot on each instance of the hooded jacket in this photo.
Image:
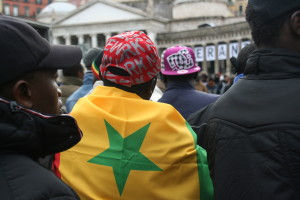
(253, 131)
(26, 136)
(185, 98)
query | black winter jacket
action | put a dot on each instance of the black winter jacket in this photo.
(25, 136)
(253, 131)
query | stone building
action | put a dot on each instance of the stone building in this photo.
(24, 8)
(211, 27)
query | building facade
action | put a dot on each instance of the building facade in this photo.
(214, 33)
(1, 6)
(24, 8)
(213, 46)
(238, 7)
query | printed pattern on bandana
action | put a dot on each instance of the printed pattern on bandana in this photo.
(180, 60)
(134, 53)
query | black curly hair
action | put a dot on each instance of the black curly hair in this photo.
(267, 33)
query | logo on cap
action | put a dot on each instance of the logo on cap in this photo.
(179, 60)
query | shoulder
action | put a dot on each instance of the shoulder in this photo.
(30, 180)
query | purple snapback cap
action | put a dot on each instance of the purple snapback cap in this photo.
(179, 60)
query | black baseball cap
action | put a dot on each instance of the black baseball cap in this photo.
(270, 9)
(23, 50)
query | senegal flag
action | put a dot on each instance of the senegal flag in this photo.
(133, 149)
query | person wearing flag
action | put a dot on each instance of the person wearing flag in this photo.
(133, 148)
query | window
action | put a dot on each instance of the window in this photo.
(230, 2)
(26, 1)
(26, 8)
(6, 9)
(38, 2)
(240, 10)
(38, 10)
(15, 10)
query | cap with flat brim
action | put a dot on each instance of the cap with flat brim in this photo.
(179, 60)
(24, 50)
(181, 72)
(130, 58)
(61, 57)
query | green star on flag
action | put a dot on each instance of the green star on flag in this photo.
(123, 155)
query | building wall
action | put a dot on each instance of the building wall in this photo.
(201, 9)
(195, 23)
(238, 7)
(213, 46)
(24, 8)
(162, 8)
(1, 8)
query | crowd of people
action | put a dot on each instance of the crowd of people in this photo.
(124, 122)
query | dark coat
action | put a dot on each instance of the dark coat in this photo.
(26, 136)
(185, 98)
(198, 122)
(253, 131)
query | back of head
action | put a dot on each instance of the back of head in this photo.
(90, 56)
(130, 62)
(210, 81)
(243, 57)
(203, 76)
(240, 62)
(74, 71)
(179, 63)
(96, 65)
(266, 19)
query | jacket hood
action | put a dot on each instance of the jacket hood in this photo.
(34, 134)
(273, 61)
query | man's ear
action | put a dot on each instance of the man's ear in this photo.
(22, 94)
(295, 22)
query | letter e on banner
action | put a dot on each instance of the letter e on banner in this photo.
(222, 52)
(210, 53)
(199, 54)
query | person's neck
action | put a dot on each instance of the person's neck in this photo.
(284, 42)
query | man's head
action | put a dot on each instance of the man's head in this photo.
(240, 62)
(130, 62)
(76, 71)
(29, 66)
(203, 76)
(179, 63)
(96, 65)
(274, 23)
(90, 56)
(211, 82)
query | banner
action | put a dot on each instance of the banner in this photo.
(199, 54)
(245, 43)
(222, 54)
(210, 53)
(233, 49)
(222, 51)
